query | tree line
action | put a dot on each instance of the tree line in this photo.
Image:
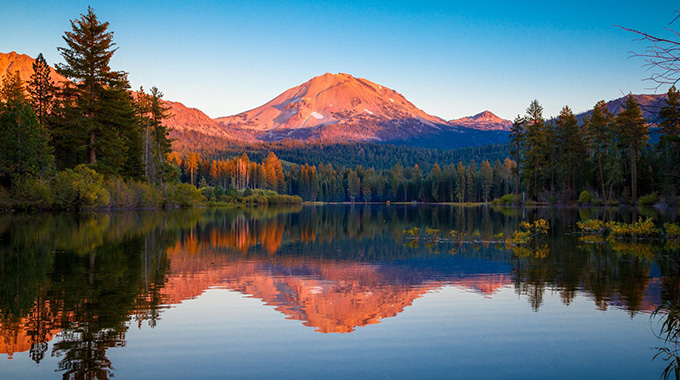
(469, 182)
(607, 156)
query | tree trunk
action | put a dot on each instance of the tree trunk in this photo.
(633, 175)
(599, 167)
(93, 152)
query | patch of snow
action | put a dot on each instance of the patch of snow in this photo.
(380, 87)
(367, 111)
(317, 115)
(391, 100)
(427, 122)
(331, 105)
(316, 290)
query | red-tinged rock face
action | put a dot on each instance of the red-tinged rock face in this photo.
(11, 62)
(336, 103)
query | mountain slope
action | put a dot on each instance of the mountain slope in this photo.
(649, 104)
(11, 62)
(182, 119)
(341, 108)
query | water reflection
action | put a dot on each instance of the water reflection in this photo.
(80, 282)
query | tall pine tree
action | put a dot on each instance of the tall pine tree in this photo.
(633, 136)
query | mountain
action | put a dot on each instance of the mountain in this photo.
(11, 62)
(485, 121)
(183, 120)
(649, 104)
(340, 107)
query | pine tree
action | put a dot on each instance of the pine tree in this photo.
(599, 136)
(460, 182)
(12, 89)
(487, 179)
(633, 134)
(23, 145)
(162, 145)
(669, 144)
(535, 148)
(192, 165)
(517, 135)
(41, 89)
(570, 147)
(87, 56)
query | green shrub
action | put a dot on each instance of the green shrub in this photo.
(145, 195)
(586, 197)
(120, 194)
(32, 193)
(641, 228)
(648, 200)
(672, 230)
(182, 195)
(5, 199)
(591, 226)
(508, 199)
(80, 188)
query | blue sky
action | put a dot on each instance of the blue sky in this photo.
(450, 59)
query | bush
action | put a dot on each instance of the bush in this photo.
(648, 200)
(145, 195)
(80, 188)
(5, 199)
(508, 199)
(641, 228)
(586, 197)
(32, 193)
(182, 195)
(120, 194)
(672, 230)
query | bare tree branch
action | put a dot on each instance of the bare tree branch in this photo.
(662, 57)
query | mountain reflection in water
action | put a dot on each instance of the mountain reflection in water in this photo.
(80, 282)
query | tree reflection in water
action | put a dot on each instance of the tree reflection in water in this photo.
(81, 281)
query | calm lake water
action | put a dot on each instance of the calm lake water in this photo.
(325, 292)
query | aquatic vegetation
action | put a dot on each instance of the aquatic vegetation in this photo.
(432, 234)
(529, 232)
(672, 231)
(670, 334)
(413, 231)
(640, 229)
(592, 227)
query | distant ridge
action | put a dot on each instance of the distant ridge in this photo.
(485, 121)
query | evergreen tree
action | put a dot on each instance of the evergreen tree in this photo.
(599, 136)
(162, 145)
(460, 182)
(517, 132)
(571, 148)
(669, 144)
(487, 180)
(23, 145)
(353, 185)
(87, 55)
(633, 135)
(535, 148)
(41, 89)
(12, 89)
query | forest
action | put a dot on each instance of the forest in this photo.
(93, 142)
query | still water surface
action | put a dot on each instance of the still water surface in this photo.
(324, 292)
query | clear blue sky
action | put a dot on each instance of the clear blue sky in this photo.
(450, 59)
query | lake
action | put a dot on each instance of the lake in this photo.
(334, 291)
